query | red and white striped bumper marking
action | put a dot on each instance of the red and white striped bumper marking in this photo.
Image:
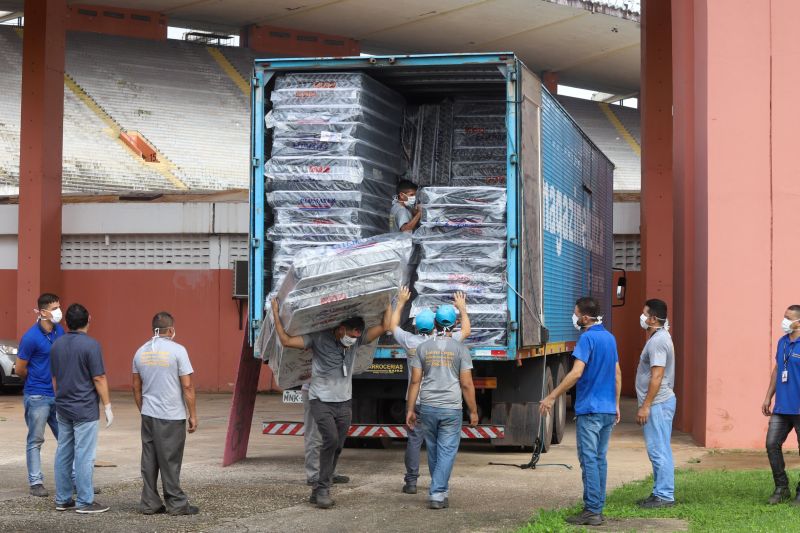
(395, 431)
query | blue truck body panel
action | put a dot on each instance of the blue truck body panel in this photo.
(575, 198)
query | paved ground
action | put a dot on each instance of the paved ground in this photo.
(267, 491)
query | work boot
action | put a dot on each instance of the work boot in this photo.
(435, 504)
(654, 502)
(186, 510)
(338, 479)
(39, 491)
(324, 500)
(780, 495)
(586, 518)
(410, 488)
(646, 500)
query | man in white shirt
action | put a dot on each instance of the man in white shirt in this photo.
(162, 390)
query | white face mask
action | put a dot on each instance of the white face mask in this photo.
(347, 340)
(643, 321)
(786, 325)
(56, 316)
(411, 201)
(575, 322)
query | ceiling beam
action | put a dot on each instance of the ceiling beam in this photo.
(11, 16)
(427, 17)
(533, 29)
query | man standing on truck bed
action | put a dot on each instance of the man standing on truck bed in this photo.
(441, 373)
(424, 322)
(331, 389)
(599, 381)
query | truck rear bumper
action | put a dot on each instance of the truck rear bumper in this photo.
(373, 431)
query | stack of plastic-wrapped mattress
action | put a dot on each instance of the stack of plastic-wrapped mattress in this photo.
(463, 248)
(479, 142)
(328, 284)
(427, 143)
(335, 158)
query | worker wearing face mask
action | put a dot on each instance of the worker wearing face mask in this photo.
(405, 213)
(598, 377)
(784, 385)
(331, 388)
(655, 378)
(33, 367)
(424, 323)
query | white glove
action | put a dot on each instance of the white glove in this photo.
(109, 415)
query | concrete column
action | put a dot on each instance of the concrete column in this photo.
(656, 116)
(39, 256)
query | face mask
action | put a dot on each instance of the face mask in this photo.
(347, 341)
(411, 201)
(56, 316)
(643, 321)
(575, 322)
(786, 325)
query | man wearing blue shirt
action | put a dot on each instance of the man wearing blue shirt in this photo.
(596, 372)
(785, 414)
(33, 366)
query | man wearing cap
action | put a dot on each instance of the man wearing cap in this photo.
(424, 323)
(441, 372)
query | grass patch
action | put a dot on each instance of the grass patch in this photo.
(711, 501)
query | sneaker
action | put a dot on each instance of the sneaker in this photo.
(339, 479)
(160, 510)
(410, 488)
(186, 510)
(39, 491)
(66, 506)
(324, 500)
(648, 499)
(92, 508)
(780, 495)
(436, 504)
(586, 518)
(656, 503)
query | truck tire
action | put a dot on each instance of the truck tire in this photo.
(560, 406)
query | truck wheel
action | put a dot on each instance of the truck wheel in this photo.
(559, 408)
(547, 438)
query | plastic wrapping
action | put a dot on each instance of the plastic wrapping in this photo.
(467, 286)
(327, 169)
(486, 337)
(283, 116)
(433, 269)
(470, 107)
(338, 81)
(476, 295)
(321, 199)
(336, 134)
(494, 250)
(316, 149)
(493, 198)
(432, 143)
(444, 233)
(493, 316)
(461, 216)
(322, 232)
(325, 217)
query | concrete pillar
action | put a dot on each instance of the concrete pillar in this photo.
(39, 256)
(656, 116)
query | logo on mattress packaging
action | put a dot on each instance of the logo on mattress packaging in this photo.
(474, 130)
(324, 84)
(305, 94)
(314, 146)
(316, 203)
(319, 169)
(333, 298)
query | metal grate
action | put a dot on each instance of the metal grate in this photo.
(112, 252)
(628, 252)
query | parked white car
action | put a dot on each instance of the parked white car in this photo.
(8, 357)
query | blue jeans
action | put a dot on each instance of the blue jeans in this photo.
(657, 436)
(413, 449)
(77, 447)
(593, 432)
(442, 429)
(40, 411)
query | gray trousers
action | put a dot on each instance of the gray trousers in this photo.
(312, 441)
(162, 451)
(333, 421)
(416, 437)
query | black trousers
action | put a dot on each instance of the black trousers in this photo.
(779, 428)
(333, 421)
(162, 452)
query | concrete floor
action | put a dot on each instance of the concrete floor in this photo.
(267, 492)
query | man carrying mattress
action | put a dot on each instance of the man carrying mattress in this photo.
(331, 388)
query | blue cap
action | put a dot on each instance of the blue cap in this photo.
(424, 321)
(446, 316)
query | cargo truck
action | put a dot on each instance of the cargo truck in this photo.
(558, 237)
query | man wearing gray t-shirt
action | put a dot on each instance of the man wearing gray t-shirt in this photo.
(441, 372)
(331, 388)
(655, 379)
(162, 390)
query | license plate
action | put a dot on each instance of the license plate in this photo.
(292, 396)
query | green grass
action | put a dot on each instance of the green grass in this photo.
(711, 501)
